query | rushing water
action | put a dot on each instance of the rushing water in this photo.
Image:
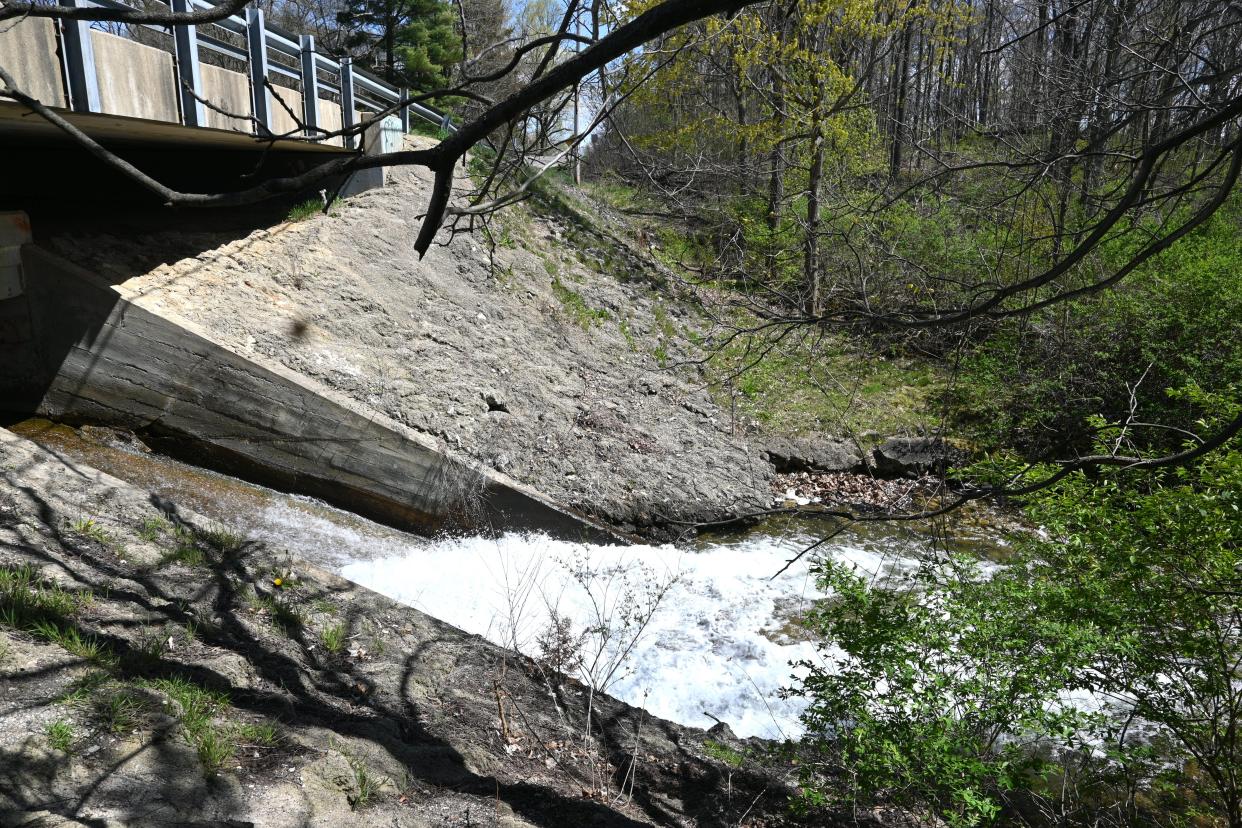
(720, 633)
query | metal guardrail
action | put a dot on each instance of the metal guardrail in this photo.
(354, 87)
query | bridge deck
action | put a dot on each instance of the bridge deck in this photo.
(18, 122)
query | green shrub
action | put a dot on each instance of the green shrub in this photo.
(962, 690)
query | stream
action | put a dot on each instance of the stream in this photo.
(698, 632)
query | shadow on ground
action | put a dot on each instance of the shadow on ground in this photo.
(382, 715)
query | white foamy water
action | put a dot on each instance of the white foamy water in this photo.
(717, 645)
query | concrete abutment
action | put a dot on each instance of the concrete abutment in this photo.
(73, 349)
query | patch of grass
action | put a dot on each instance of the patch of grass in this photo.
(70, 638)
(324, 607)
(823, 385)
(122, 710)
(661, 355)
(305, 209)
(333, 637)
(583, 314)
(288, 618)
(149, 650)
(59, 735)
(152, 528)
(263, 734)
(25, 599)
(82, 688)
(214, 748)
(222, 540)
(420, 127)
(196, 547)
(87, 527)
(197, 704)
(44, 610)
(367, 784)
(723, 753)
(187, 550)
(627, 333)
(197, 709)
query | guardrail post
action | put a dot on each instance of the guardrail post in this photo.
(347, 99)
(80, 62)
(310, 87)
(185, 44)
(256, 38)
(404, 112)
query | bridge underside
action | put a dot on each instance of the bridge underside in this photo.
(54, 179)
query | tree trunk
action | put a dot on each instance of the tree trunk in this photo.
(810, 262)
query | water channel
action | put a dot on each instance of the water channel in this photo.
(719, 644)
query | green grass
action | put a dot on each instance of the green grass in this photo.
(187, 550)
(368, 785)
(723, 753)
(45, 611)
(59, 735)
(582, 314)
(120, 710)
(425, 128)
(72, 640)
(197, 709)
(324, 607)
(222, 540)
(153, 528)
(263, 734)
(87, 527)
(82, 688)
(824, 386)
(333, 637)
(197, 547)
(283, 615)
(305, 210)
(149, 650)
(25, 599)
(214, 749)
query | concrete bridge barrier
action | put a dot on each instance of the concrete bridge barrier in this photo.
(29, 53)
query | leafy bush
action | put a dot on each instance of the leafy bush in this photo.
(1174, 322)
(1023, 691)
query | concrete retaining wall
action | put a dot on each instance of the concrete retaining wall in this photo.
(29, 50)
(134, 79)
(98, 358)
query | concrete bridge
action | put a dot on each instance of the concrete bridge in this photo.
(192, 104)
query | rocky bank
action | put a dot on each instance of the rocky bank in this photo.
(157, 671)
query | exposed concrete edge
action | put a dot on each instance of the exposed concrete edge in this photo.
(111, 360)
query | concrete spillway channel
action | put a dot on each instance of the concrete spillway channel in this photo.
(73, 348)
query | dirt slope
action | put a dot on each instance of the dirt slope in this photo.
(533, 362)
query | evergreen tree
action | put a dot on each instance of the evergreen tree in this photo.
(409, 42)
